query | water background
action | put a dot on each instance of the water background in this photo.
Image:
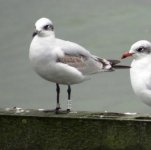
(106, 28)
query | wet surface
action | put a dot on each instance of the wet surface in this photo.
(80, 114)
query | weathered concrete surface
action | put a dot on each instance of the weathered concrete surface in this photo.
(36, 130)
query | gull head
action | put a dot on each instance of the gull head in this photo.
(44, 27)
(139, 50)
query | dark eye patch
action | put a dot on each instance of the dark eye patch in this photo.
(48, 27)
(141, 49)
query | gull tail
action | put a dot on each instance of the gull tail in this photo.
(115, 62)
(111, 65)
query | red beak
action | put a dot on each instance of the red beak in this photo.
(126, 54)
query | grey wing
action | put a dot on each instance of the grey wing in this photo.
(72, 48)
(78, 57)
(78, 62)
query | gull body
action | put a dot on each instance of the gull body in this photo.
(140, 72)
(47, 53)
(63, 62)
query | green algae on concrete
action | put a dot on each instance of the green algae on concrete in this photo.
(36, 130)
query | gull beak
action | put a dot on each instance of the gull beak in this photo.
(127, 54)
(35, 33)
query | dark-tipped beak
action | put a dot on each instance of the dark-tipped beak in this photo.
(126, 54)
(34, 33)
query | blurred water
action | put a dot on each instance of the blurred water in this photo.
(105, 27)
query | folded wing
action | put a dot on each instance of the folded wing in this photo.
(81, 59)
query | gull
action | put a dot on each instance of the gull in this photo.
(63, 62)
(140, 72)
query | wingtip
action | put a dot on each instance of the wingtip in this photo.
(114, 62)
(121, 67)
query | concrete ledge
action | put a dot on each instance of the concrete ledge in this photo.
(36, 130)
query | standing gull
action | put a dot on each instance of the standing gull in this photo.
(63, 62)
(140, 72)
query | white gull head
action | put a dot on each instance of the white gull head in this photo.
(140, 49)
(44, 27)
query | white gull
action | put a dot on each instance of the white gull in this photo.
(140, 72)
(63, 62)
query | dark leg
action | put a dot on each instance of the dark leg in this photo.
(69, 98)
(69, 92)
(58, 94)
(57, 110)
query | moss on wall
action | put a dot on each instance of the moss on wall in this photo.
(80, 131)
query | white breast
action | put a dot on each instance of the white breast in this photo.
(140, 75)
(43, 58)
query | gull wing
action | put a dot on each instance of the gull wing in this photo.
(81, 59)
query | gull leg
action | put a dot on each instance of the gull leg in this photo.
(58, 94)
(56, 110)
(69, 102)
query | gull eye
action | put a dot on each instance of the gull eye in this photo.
(48, 27)
(141, 49)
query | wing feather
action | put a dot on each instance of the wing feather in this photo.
(78, 57)
(78, 62)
